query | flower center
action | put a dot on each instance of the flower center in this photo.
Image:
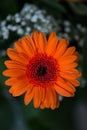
(42, 70)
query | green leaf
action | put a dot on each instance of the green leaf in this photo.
(54, 5)
(78, 8)
(8, 7)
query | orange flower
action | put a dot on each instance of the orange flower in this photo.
(42, 69)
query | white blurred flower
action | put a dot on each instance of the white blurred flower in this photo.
(30, 18)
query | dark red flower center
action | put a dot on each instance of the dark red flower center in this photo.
(42, 70)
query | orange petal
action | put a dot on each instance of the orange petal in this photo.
(61, 48)
(19, 87)
(68, 67)
(18, 47)
(11, 90)
(77, 54)
(27, 47)
(49, 98)
(28, 96)
(53, 97)
(14, 73)
(20, 57)
(46, 102)
(31, 42)
(69, 75)
(18, 92)
(35, 36)
(43, 92)
(74, 71)
(14, 64)
(42, 105)
(51, 44)
(37, 97)
(66, 85)
(75, 82)
(67, 60)
(41, 43)
(70, 51)
(42, 96)
(10, 81)
(63, 91)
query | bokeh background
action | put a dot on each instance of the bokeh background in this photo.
(68, 18)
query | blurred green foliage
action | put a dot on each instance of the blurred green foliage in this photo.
(78, 8)
(14, 115)
(8, 7)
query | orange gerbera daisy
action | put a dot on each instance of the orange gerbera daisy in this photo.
(42, 69)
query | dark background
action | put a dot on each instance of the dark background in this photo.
(72, 113)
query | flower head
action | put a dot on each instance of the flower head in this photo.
(42, 69)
